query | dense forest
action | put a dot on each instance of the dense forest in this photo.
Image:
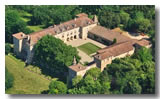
(130, 75)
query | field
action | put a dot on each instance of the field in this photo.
(88, 48)
(25, 82)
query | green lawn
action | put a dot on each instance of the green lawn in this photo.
(36, 28)
(89, 48)
(25, 82)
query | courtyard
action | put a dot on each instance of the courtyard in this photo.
(86, 48)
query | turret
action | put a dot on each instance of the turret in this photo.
(74, 61)
(95, 19)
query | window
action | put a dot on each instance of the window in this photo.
(71, 33)
(62, 36)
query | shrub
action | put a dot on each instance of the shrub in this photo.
(7, 48)
(8, 79)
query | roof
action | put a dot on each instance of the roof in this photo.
(117, 30)
(108, 34)
(56, 29)
(114, 50)
(143, 42)
(19, 35)
(77, 67)
(82, 15)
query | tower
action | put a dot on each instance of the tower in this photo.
(74, 61)
(95, 19)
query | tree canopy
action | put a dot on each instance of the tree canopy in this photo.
(54, 55)
(57, 87)
(8, 79)
(133, 75)
(7, 48)
(14, 24)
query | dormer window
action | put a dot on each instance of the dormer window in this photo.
(67, 27)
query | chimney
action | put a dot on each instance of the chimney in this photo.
(22, 35)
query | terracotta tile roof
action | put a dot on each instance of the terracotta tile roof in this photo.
(117, 30)
(114, 50)
(82, 15)
(19, 35)
(143, 42)
(53, 30)
(34, 37)
(77, 67)
(108, 34)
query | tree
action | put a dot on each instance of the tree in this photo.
(57, 87)
(124, 74)
(76, 80)
(114, 41)
(94, 72)
(139, 23)
(40, 15)
(81, 90)
(143, 54)
(143, 25)
(109, 19)
(14, 24)
(105, 81)
(7, 48)
(92, 86)
(54, 56)
(8, 79)
(124, 17)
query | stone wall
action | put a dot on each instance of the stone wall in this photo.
(86, 29)
(103, 63)
(99, 39)
(69, 35)
(17, 46)
(72, 74)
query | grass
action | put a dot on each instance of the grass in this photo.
(36, 28)
(25, 16)
(88, 48)
(25, 82)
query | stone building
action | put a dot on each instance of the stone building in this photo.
(81, 27)
(106, 55)
(70, 30)
(106, 36)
